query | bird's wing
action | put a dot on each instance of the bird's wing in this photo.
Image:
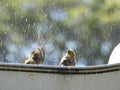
(29, 61)
(41, 47)
(65, 62)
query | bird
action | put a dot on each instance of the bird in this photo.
(68, 59)
(37, 56)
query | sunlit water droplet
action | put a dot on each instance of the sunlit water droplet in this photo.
(81, 62)
(105, 47)
(26, 20)
(60, 37)
(57, 15)
(99, 61)
(10, 57)
(71, 44)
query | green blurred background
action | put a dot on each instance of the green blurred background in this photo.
(90, 27)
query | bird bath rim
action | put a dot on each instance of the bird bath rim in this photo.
(55, 69)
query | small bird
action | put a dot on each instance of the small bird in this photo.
(68, 59)
(37, 56)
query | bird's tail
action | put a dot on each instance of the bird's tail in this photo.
(41, 45)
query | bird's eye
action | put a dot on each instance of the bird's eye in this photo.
(69, 52)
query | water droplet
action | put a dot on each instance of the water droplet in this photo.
(26, 20)
(50, 26)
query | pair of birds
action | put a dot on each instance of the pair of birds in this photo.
(37, 57)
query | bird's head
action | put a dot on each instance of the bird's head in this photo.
(70, 53)
(35, 55)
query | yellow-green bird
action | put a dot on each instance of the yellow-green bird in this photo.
(37, 56)
(68, 59)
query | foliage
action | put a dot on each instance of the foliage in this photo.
(89, 27)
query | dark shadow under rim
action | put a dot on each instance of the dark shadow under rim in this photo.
(55, 69)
